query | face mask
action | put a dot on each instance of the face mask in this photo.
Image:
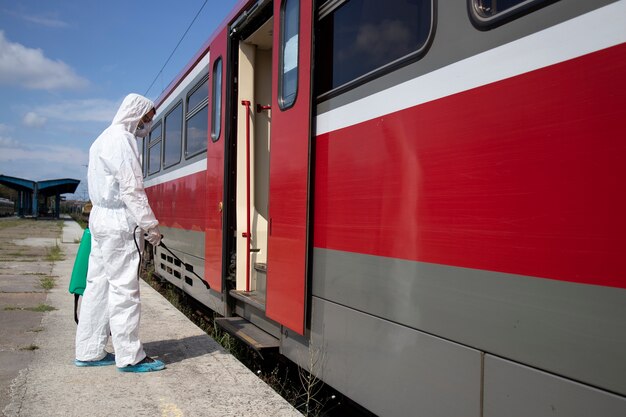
(143, 129)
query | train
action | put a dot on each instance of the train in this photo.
(7, 207)
(427, 196)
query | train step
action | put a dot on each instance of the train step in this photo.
(254, 298)
(248, 333)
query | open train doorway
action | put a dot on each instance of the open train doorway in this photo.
(254, 117)
(270, 55)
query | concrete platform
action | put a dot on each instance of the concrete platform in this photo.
(201, 379)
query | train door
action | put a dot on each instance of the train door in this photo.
(215, 165)
(289, 163)
(272, 162)
(252, 47)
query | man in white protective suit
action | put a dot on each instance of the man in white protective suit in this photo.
(111, 299)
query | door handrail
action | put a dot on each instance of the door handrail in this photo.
(247, 233)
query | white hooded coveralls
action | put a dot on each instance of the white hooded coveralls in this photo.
(111, 298)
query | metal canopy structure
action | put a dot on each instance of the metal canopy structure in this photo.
(30, 192)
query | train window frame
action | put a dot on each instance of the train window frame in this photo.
(482, 22)
(283, 102)
(164, 134)
(216, 85)
(331, 6)
(153, 143)
(194, 90)
(191, 113)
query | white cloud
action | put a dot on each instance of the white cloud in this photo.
(88, 110)
(35, 154)
(48, 21)
(8, 142)
(45, 21)
(32, 119)
(28, 67)
(24, 159)
(12, 150)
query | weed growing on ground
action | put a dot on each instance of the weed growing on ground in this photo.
(41, 308)
(9, 223)
(54, 253)
(82, 220)
(310, 401)
(47, 283)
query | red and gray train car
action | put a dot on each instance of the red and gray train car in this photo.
(427, 196)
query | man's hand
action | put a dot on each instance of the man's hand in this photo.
(153, 236)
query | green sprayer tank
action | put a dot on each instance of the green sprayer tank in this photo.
(79, 273)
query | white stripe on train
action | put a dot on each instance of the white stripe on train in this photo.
(175, 95)
(582, 35)
(198, 166)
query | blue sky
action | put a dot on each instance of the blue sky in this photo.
(66, 65)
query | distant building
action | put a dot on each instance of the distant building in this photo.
(33, 197)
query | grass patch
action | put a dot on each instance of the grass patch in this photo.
(41, 308)
(22, 260)
(9, 223)
(54, 253)
(30, 347)
(82, 221)
(47, 283)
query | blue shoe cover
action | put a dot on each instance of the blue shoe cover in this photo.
(109, 359)
(155, 365)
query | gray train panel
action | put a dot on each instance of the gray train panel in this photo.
(513, 390)
(455, 38)
(188, 242)
(188, 245)
(393, 370)
(573, 330)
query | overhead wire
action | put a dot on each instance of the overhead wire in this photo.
(176, 47)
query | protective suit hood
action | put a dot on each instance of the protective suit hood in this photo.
(132, 109)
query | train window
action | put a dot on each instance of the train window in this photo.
(154, 149)
(197, 132)
(173, 137)
(359, 38)
(288, 83)
(197, 124)
(216, 103)
(491, 13)
(155, 133)
(199, 96)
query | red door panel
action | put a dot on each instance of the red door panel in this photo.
(215, 174)
(289, 178)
